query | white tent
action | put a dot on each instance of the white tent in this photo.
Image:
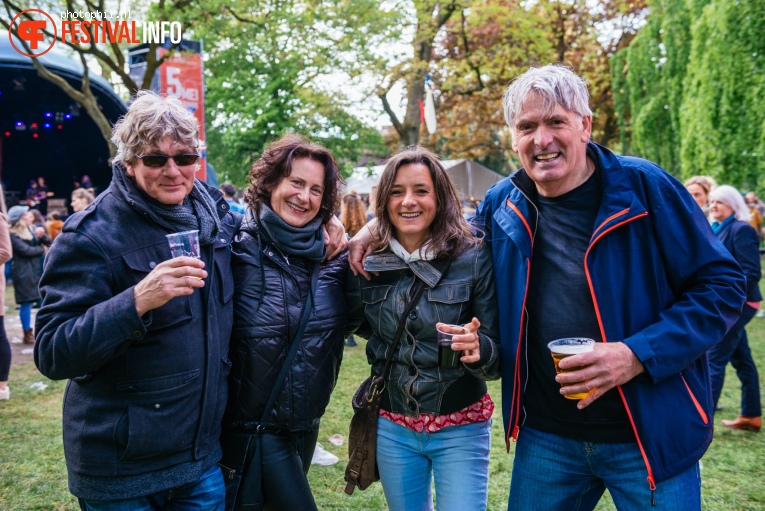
(471, 178)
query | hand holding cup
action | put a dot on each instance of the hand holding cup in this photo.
(461, 340)
(176, 277)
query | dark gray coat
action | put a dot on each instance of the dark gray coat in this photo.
(143, 408)
(25, 268)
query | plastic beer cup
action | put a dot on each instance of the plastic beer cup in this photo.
(562, 348)
(447, 357)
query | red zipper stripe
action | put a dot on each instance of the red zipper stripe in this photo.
(518, 212)
(696, 403)
(515, 401)
(650, 478)
(615, 215)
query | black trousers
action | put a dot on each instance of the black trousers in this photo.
(286, 458)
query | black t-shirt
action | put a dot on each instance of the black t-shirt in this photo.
(559, 305)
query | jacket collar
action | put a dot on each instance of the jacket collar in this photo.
(618, 198)
(428, 271)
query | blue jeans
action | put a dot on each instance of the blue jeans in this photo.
(207, 494)
(457, 457)
(25, 315)
(734, 348)
(554, 473)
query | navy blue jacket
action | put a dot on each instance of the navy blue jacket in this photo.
(143, 406)
(742, 242)
(660, 282)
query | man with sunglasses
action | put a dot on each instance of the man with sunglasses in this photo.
(143, 337)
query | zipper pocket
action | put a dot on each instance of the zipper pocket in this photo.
(699, 408)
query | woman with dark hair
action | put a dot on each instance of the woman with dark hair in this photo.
(435, 418)
(280, 270)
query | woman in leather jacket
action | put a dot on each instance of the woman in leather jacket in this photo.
(435, 420)
(279, 263)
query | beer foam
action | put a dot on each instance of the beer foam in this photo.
(571, 349)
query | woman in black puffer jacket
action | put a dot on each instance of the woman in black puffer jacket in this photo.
(293, 191)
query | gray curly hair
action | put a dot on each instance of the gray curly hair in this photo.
(555, 84)
(149, 119)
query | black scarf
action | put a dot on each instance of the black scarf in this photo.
(306, 241)
(198, 211)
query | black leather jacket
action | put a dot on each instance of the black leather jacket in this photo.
(416, 383)
(270, 291)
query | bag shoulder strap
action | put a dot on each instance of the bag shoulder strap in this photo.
(293, 347)
(397, 336)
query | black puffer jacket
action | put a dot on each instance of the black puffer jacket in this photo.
(268, 297)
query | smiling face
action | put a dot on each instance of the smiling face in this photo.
(719, 210)
(412, 205)
(169, 184)
(698, 193)
(297, 197)
(552, 146)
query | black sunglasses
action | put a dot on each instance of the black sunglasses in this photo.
(159, 160)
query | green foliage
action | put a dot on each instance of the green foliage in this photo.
(264, 59)
(497, 40)
(689, 89)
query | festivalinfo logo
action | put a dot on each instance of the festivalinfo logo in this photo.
(41, 31)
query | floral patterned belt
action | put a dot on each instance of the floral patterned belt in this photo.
(479, 411)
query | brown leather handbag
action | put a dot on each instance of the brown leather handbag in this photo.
(361, 470)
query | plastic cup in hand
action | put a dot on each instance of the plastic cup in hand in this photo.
(562, 348)
(447, 357)
(184, 244)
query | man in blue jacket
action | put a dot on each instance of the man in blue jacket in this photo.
(589, 244)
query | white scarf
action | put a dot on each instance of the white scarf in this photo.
(421, 254)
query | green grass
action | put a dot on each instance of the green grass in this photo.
(34, 475)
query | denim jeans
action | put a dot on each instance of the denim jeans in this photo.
(25, 315)
(553, 473)
(457, 457)
(734, 348)
(207, 494)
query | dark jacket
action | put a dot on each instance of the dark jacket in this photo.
(660, 282)
(143, 408)
(416, 384)
(269, 296)
(25, 268)
(741, 240)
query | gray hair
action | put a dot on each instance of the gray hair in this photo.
(149, 119)
(555, 84)
(732, 198)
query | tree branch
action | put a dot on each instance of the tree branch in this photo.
(391, 114)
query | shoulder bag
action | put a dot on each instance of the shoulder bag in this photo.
(361, 470)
